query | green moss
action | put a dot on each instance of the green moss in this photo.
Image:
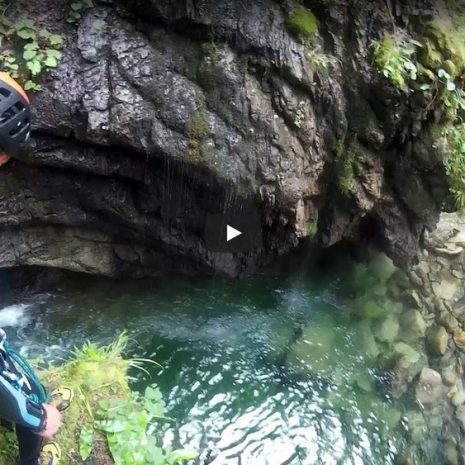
(347, 167)
(446, 42)
(312, 226)
(429, 55)
(211, 51)
(198, 131)
(303, 23)
(346, 176)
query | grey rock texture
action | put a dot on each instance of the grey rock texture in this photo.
(162, 112)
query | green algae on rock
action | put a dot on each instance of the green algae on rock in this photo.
(303, 22)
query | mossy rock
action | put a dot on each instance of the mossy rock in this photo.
(303, 23)
(198, 131)
(445, 44)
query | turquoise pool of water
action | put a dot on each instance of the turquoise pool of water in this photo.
(242, 390)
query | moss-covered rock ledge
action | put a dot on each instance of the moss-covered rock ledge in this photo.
(107, 423)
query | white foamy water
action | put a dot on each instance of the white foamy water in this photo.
(14, 315)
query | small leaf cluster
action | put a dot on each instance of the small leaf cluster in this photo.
(299, 115)
(393, 57)
(132, 426)
(454, 162)
(27, 50)
(76, 9)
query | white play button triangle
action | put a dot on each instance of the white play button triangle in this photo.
(231, 233)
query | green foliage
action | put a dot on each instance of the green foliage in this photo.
(454, 161)
(319, 61)
(27, 50)
(346, 176)
(299, 115)
(393, 58)
(348, 158)
(303, 23)
(125, 423)
(106, 422)
(452, 96)
(76, 9)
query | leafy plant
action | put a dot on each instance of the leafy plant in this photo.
(453, 97)
(27, 50)
(454, 161)
(76, 9)
(320, 61)
(299, 115)
(130, 426)
(392, 56)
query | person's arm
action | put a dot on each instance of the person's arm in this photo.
(16, 408)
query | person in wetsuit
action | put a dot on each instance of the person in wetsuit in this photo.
(23, 401)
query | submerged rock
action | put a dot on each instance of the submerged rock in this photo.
(458, 398)
(429, 390)
(382, 267)
(312, 353)
(449, 375)
(416, 426)
(413, 323)
(446, 289)
(369, 345)
(459, 339)
(407, 351)
(451, 452)
(387, 330)
(460, 415)
(437, 339)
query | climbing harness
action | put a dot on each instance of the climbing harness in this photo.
(21, 392)
(20, 373)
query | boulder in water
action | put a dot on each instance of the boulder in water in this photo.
(413, 323)
(387, 329)
(429, 390)
(382, 267)
(311, 353)
(437, 339)
(459, 339)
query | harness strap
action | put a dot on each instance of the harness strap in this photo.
(17, 370)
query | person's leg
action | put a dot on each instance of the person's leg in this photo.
(30, 445)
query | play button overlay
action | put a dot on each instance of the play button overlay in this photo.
(233, 232)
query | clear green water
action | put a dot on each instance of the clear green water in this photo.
(242, 391)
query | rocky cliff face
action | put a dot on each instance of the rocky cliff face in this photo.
(164, 111)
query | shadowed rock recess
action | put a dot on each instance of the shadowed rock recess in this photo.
(164, 111)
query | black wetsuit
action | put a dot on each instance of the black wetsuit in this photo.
(19, 411)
